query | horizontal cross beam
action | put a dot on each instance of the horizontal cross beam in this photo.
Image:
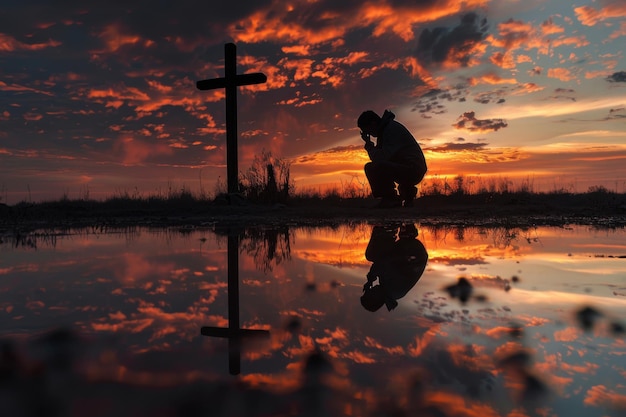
(241, 79)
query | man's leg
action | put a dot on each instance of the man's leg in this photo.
(407, 178)
(380, 176)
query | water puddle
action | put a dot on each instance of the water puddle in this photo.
(353, 320)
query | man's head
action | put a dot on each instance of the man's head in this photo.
(368, 122)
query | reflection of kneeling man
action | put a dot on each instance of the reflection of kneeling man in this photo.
(398, 262)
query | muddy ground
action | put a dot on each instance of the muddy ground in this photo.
(525, 210)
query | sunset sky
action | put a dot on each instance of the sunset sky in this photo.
(98, 99)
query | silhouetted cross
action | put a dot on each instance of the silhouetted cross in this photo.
(233, 333)
(230, 82)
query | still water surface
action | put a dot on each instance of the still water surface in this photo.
(354, 320)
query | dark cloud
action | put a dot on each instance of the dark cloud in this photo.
(431, 102)
(430, 108)
(487, 97)
(617, 77)
(618, 113)
(459, 146)
(563, 94)
(442, 44)
(468, 121)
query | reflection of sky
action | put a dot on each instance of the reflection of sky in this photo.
(143, 296)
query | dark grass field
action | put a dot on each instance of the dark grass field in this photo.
(602, 209)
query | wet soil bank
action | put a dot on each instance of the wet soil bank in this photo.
(599, 210)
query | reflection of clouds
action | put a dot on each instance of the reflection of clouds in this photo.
(420, 343)
(35, 305)
(586, 368)
(567, 335)
(512, 330)
(157, 322)
(388, 350)
(601, 396)
(135, 268)
(456, 352)
(456, 261)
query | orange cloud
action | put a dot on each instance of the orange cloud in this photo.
(562, 74)
(589, 16)
(471, 357)
(503, 60)
(330, 70)
(121, 92)
(133, 151)
(32, 116)
(165, 89)
(492, 78)
(513, 34)
(395, 350)
(548, 27)
(400, 21)
(587, 368)
(421, 344)
(358, 357)
(619, 32)
(275, 24)
(16, 87)
(275, 76)
(411, 65)
(281, 22)
(10, 44)
(458, 405)
(131, 326)
(501, 331)
(351, 59)
(300, 101)
(567, 335)
(114, 38)
(601, 396)
(301, 69)
(303, 50)
(527, 88)
(576, 41)
(516, 34)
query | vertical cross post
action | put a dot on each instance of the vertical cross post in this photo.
(230, 82)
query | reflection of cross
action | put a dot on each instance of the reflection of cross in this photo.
(230, 82)
(234, 333)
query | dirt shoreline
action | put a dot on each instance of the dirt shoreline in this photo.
(608, 211)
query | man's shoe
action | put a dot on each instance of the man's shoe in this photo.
(407, 194)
